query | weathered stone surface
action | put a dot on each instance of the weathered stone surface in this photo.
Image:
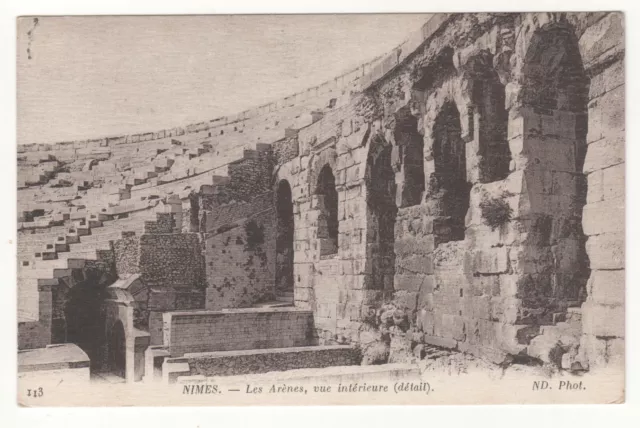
(607, 287)
(603, 320)
(613, 182)
(400, 350)
(440, 342)
(604, 38)
(461, 283)
(606, 116)
(604, 217)
(606, 251)
(603, 154)
(491, 260)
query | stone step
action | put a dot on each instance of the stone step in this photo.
(84, 255)
(90, 245)
(71, 238)
(274, 304)
(252, 361)
(35, 273)
(104, 235)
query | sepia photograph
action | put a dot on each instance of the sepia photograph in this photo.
(321, 209)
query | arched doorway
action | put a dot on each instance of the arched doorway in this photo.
(411, 151)
(555, 91)
(449, 154)
(284, 238)
(85, 319)
(118, 350)
(381, 214)
(328, 218)
(488, 97)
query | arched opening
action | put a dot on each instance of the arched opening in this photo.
(555, 94)
(328, 218)
(284, 238)
(488, 97)
(554, 77)
(381, 215)
(449, 181)
(118, 350)
(85, 318)
(411, 151)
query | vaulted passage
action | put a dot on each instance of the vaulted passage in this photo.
(381, 215)
(555, 92)
(450, 180)
(489, 100)
(411, 151)
(328, 206)
(85, 319)
(284, 238)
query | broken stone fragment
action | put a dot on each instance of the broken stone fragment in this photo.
(375, 353)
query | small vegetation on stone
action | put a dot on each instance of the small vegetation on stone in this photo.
(495, 212)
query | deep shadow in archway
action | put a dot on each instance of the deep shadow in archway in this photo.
(328, 219)
(381, 215)
(85, 320)
(450, 177)
(284, 238)
(556, 86)
(117, 350)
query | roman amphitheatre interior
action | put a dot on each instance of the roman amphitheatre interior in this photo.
(457, 202)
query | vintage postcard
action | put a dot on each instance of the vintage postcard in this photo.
(321, 209)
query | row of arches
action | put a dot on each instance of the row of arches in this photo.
(552, 79)
(326, 196)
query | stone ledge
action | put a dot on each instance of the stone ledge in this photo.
(53, 357)
(246, 362)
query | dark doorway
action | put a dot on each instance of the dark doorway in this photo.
(328, 205)
(118, 350)
(381, 215)
(450, 172)
(85, 319)
(411, 147)
(284, 238)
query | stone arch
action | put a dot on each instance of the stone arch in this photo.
(84, 315)
(490, 143)
(117, 357)
(448, 183)
(527, 28)
(318, 161)
(326, 199)
(88, 166)
(553, 76)
(381, 214)
(554, 98)
(410, 147)
(284, 237)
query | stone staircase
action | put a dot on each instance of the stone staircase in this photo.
(86, 241)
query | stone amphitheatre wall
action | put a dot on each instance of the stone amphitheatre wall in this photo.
(464, 190)
(484, 137)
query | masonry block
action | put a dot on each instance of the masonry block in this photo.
(603, 320)
(607, 287)
(604, 217)
(606, 251)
